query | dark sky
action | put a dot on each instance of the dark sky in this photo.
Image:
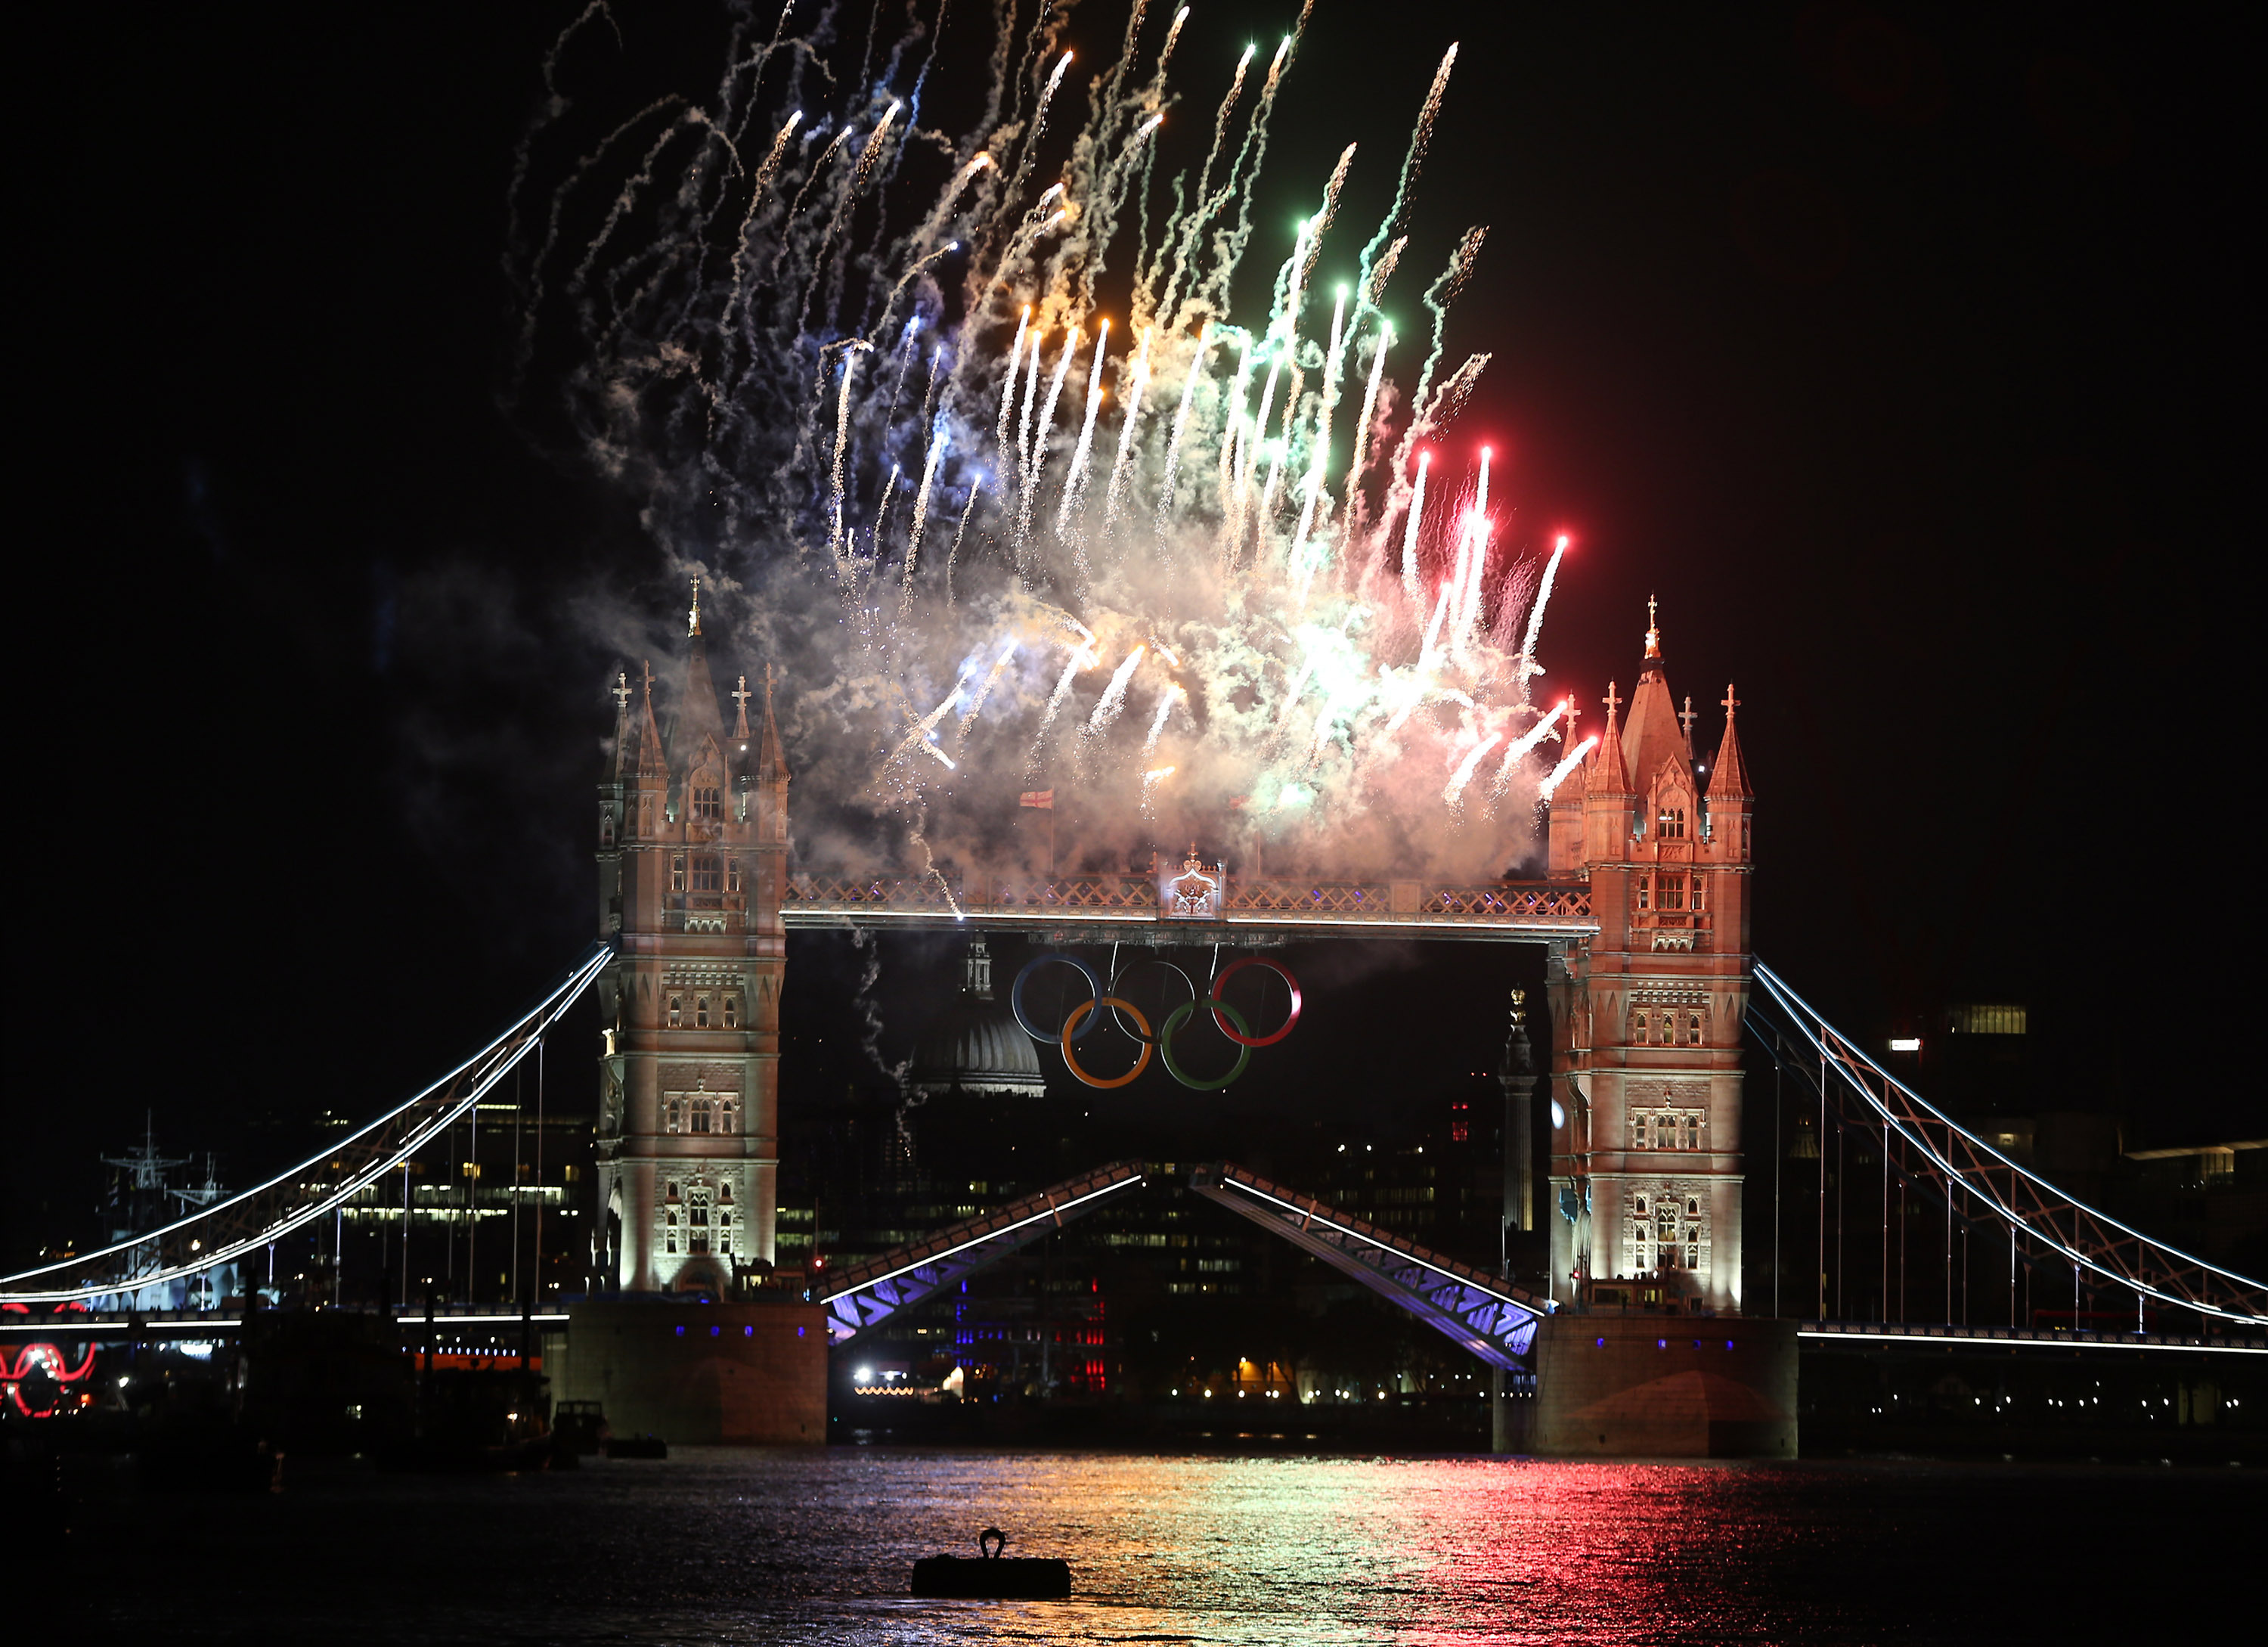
(1900, 352)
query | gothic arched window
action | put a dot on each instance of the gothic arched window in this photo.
(677, 872)
(701, 1012)
(732, 1012)
(733, 875)
(676, 1012)
(1670, 825)
(708, 801)
(708, 872)
(1693, 1029)
(1638, 1028)
(702, 1109)
(673, 1116)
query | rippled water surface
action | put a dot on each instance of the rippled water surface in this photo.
(716, 1545)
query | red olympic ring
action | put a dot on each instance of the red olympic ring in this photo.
(1070, 1025)
(1231, 971)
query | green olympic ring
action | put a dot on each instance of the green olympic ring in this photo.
(1179, 1017)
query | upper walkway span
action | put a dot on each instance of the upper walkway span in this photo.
(1192, 905)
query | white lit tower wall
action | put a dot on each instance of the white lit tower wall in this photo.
(1646, 1081)
(692, 867)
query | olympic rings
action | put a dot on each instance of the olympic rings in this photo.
(1016, 995)
(1070, 1035)
(1181, 1016)
(1231, 1022)
(1220, 1006)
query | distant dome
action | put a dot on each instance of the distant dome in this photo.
(975, 1045)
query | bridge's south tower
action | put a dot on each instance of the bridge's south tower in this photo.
(692, 862)
(1646, 1160)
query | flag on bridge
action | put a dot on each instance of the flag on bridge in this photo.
(1037, 798)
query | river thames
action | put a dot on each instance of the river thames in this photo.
(715, 1546)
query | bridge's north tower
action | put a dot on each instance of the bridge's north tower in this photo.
(1646, 1155)
(692, 863)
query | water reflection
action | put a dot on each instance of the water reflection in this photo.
(729, 1546)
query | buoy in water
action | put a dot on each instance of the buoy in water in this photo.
(991, 1575)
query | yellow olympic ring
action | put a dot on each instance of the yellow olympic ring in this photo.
(1070, 1027)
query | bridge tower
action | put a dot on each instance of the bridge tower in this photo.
(1646, 1160)
(692, 865)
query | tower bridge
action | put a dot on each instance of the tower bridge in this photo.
(1653, 988)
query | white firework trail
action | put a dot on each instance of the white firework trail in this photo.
(1520, 745)
(1081, 660)
(991, 679)
(1410, 585)
(1181, 428)
(1035, 455)
(959, 532)
(938, 440)
(1138, 381)
(1454, 790)
(1542, 599)
(843, 440)
(1574, 758)
(1114, 696)
(1075, 482)
(1173, 697)
(1008, 385)
(1361, 453)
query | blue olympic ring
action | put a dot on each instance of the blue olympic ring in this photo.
(1024, 1019)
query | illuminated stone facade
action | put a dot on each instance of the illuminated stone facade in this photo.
(692, 864)
(1645, 1143)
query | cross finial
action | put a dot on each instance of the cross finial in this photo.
(649, 680)
(622, 691)
(1729, 703)
(1612, 702)
(1687, 717)
(1652, 628)
(693, 617)
(741, 695)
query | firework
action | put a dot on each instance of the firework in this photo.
(1320, 638)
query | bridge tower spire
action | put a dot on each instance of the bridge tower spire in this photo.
(692, 867)
(1646, 1160)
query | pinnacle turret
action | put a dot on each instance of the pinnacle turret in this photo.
(1608, 773)
(771, 766)
(1730, 776)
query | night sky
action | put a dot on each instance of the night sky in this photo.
(1899, 353)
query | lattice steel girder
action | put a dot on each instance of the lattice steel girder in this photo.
(2040, 1213)
(227, 1230)
(1478, 1311)
(1104, 906)
(870, 1293)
